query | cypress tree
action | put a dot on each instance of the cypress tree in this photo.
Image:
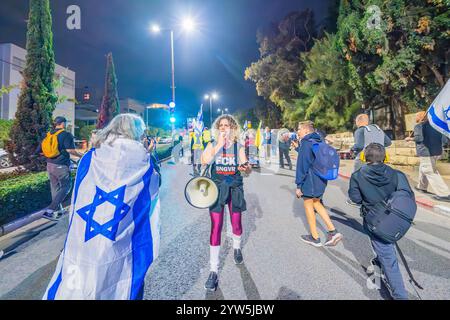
(37, 98)
(110, 104)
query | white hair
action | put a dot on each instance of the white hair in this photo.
(125, 126)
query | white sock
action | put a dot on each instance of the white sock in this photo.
(236, 242)
(214, 258)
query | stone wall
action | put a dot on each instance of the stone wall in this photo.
(399, 153)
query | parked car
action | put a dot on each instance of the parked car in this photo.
(4, 160)
(165, 141)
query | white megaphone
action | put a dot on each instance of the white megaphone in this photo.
(201, 192)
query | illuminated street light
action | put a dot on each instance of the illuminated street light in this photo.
(211, 97)
(188, 24)
(155, 28)
(222, 110)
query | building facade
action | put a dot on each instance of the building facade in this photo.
(12, 63)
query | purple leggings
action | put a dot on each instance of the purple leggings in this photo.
(217, 223)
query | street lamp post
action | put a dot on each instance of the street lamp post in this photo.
(173, 67)
(188, 25)
(222, 110)
(211, 97)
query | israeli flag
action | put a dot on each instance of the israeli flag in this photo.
(199, 125)
(439, 112)
(114, 229)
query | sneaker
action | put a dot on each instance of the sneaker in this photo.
(238, 259)
(50, 215)
(375, 267)
(212, 282)
(438, 198)
(333, 238)
(310, 240)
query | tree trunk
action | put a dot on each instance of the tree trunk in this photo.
(399, 111)
(437, 74)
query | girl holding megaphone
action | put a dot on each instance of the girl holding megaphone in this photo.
(228, 161)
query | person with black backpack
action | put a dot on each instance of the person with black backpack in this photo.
(388, 208)
(311, 180)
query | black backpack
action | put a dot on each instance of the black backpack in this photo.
(389, 220)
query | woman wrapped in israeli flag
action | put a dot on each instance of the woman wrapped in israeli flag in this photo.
(113, 234)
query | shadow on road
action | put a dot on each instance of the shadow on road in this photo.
(34, 286)
(287, 294)
(251, 291)
(16, 241)
(216, 295)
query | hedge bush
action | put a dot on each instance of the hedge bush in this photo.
(23, 195)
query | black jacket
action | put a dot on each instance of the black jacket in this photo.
(428, 140)
(374, 183)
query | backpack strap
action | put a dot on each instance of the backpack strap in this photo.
(56, 133)
(315, 145)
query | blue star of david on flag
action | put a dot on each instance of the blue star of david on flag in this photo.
(446, 112)
(108, 229)
(439, 111)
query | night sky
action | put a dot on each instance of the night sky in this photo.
(212, 58)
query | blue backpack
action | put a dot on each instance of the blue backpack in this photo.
(326, 163)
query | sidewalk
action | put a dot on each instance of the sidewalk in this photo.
(346, 168)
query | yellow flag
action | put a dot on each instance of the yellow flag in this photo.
(258, 140)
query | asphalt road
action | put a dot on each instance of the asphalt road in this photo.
(277, 264)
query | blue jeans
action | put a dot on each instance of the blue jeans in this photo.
(387, 256)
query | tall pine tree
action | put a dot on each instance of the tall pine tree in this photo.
(397, 53)
(110, 105)
(37, 98)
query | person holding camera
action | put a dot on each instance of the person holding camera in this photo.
(114, 229)
(228, 164)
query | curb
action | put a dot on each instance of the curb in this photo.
(421, 201)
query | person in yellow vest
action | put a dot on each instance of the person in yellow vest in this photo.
(196, 141)
(57, 147)
(206, 137)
